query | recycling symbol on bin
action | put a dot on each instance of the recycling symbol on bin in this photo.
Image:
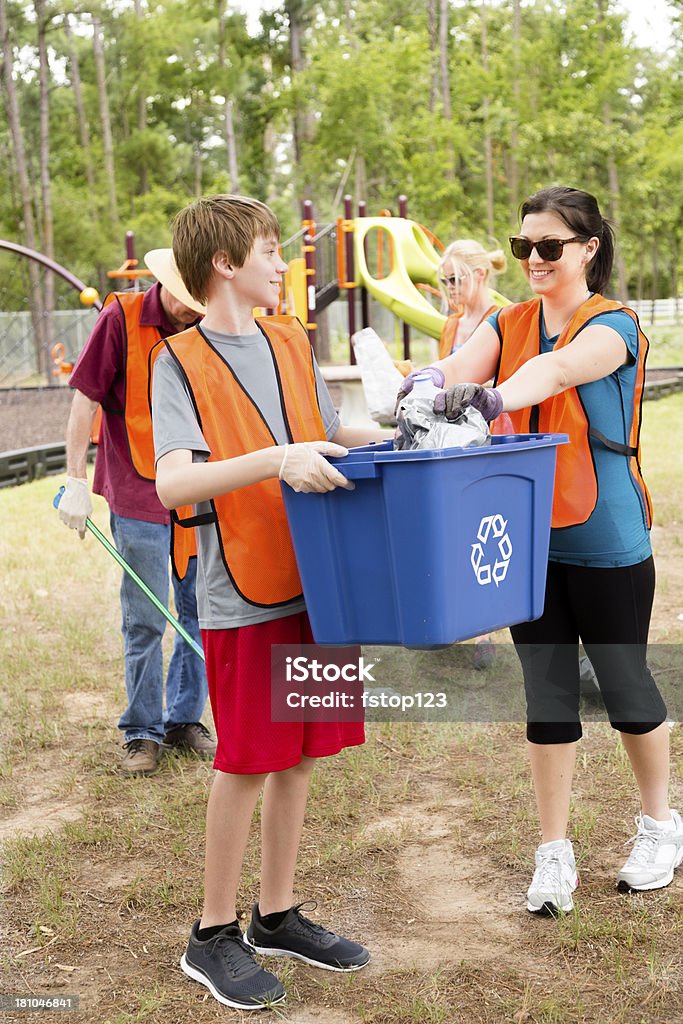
(492, 542)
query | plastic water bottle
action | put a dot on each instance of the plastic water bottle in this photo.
(424, 385)
(415, 411)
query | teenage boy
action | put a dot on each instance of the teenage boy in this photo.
(236, 404)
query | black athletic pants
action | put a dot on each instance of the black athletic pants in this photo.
(608, 610)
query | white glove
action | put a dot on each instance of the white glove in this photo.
(75, 504)
(304, 468)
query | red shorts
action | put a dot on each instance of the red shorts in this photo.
(238, 669)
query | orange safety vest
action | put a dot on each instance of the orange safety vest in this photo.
(449, 334)
(140, 340)
(96, 428)
(576, 489)
(251, 523)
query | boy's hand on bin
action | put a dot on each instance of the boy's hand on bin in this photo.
(407, 386)
(456, 399)
(304, 468)
(75, 505)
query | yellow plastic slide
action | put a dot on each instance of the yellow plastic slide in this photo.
(414, 261)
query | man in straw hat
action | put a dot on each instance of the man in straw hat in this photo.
(112, 371)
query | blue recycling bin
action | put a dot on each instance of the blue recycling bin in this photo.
(431, 547)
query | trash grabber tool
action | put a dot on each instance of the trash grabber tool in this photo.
(142, 585)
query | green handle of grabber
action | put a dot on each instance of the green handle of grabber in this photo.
(141, 583)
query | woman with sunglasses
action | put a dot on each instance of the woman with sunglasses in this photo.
(572, 361)
(465, 270)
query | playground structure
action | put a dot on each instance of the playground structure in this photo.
(366, 265)
(359, 259)
(392, 259)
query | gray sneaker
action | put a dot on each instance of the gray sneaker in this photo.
(655, 855)
(555, 879)
(226, 965)
(298, 937)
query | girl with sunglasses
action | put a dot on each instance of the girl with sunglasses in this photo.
(464, 271)
(571, 361)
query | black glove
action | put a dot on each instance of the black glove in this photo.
(456, 399)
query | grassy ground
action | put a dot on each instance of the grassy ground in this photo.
(420, 843)
(666, 345)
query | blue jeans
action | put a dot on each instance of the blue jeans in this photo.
(146, 548)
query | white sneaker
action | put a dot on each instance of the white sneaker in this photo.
(656, 854)
(555, 879)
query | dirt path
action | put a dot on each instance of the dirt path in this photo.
(447, 920)
(420, 844)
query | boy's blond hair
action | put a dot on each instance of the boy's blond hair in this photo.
(222, 223)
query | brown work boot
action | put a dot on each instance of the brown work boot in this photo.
(194, 736)
(141, 757)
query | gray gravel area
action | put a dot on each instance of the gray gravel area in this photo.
(33, 416)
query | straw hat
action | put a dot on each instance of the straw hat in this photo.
(162, 265)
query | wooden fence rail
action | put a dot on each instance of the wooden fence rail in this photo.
(658, 311)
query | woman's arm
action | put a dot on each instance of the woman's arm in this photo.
(593, 354)
(476, 360)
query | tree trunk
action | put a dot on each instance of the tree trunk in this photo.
(450, 169)
(361, 177)
(25, 190)
(433, 34)
(107, 142)
(516, 103)
(443, 60)
(674, 276)
(614, 205)
(83, 128)
(615, 211)
(231, 145)
(48, 242)
(293, 9)
(228, 113)
(198, 171)
(142, 113)
(488, 146)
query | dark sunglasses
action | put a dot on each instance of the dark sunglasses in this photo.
(549, 249)
(451, 281)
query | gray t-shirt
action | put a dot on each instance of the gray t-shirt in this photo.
(219, 605)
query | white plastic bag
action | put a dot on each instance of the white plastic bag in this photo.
(381, 380)
(420, 427)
